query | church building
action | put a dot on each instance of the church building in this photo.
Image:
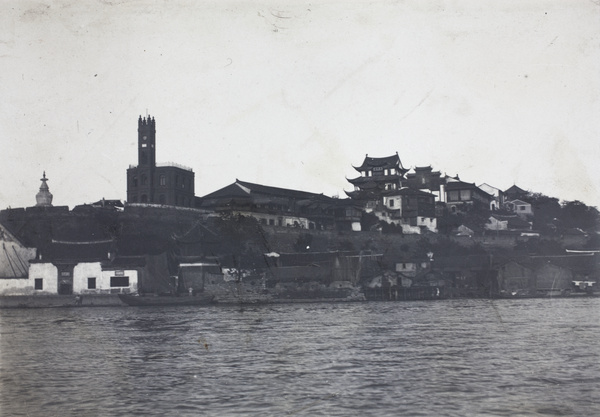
(151, 183)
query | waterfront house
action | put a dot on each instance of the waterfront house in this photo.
(104, 278)
(514, 278)
(83, 267)
(551, 279)
(412, 267)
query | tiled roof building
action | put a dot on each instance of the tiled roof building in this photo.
(378, 176)
(514, 193)
(276, 206)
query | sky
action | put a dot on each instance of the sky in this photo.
(293, 94)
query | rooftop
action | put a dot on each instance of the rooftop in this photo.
(167, 164)
(245, 189)
(382, 162)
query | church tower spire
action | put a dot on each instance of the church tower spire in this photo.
(44, 197)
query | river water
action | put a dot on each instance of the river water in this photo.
(437, 358)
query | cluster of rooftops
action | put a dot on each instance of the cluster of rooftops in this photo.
(383, 187)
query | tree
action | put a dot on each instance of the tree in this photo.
(368, 221)
(575, 214)
(242, 240)
(546, 210)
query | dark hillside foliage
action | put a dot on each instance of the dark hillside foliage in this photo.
(575, 214)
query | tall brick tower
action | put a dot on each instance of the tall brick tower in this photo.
(151, 183)
(146, 158)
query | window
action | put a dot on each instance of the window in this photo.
(144, 179)
(162, 180)
(119, 281)
(65, 274)
(144, 145)
(91, 283)
(134, 181)
(522, 208)
(271, 222)
(39, 284)
(391, 202)
(465, 194)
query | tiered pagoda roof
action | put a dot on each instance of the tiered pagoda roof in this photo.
(378, 177)
(383, 163)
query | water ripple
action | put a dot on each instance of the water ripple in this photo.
(448, 358)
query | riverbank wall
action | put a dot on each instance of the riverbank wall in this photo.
(53, 301)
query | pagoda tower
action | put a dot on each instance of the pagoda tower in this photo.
(44, 196)
(378, 177)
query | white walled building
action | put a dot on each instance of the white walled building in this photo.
(92, 278)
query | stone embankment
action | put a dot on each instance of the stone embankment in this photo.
(50, 301)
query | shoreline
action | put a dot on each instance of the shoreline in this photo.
(112, 300)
